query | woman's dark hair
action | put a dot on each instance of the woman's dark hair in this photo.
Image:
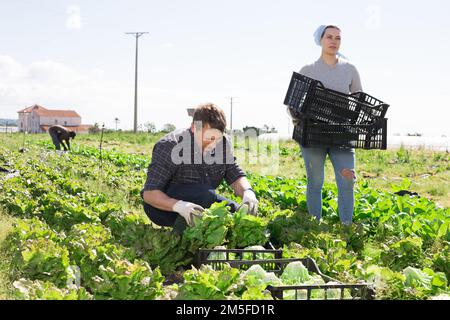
(328, 27)
(212, 115)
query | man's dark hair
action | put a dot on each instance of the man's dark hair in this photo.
(328, 27)
(72, 134)
(212, 115)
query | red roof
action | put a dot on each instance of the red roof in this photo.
(41, 111)
(58, 113)
(29, 109)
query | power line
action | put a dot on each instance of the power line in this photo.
(137, 35)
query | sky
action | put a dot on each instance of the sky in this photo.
(75, 55)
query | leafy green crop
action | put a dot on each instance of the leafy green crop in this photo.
(30, 229)
(163, 248)
(86, 237)
(211, 230)
(208, 284)
(404, 253)
(127, 227)
(257, 276)
(441, 261)
(64, 222)
(44, 259)
(218, 227)
(39, 290)
(121, 279)
(248, 230)
(295, 273)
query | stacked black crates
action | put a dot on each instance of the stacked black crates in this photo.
(273, 261)
(327, 117)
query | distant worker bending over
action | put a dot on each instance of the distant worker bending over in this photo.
(60, 135)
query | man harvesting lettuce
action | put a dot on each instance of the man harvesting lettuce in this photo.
(59, 135)
(187, 166)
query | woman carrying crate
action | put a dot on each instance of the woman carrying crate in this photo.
(340, 75)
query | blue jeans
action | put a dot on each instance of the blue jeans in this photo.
(343, 161)
(55, 140)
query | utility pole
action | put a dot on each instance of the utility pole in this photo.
(117, 121)
(137, 35)
(231, 113)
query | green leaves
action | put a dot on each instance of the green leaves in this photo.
(41, 290)
(248, 230)
(424, 282)
(65, 223)
(295, 273)
(444, 230)
(208, 284)
(416, 278)
(126, 227)
(51, 261)
(441, 260)
(404, 253)
(86, 237)
(405, 185)
(163, 248)
(117, 158)
(44, 259)
(30, 229)
(300, 227)
(218, 227)
(211, 230)
(121, 279)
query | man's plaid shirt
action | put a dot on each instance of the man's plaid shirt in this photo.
(167, 169)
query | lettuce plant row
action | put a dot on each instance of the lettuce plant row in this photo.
(76, 241)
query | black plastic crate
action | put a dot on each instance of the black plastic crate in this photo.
(310, 133)
(309, 99)
(360, 291)
(235, 258)
(304, 292)
(276, 265)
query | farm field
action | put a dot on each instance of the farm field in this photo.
(72, 226)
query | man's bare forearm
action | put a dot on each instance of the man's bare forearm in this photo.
(240, 185)
(159, 200)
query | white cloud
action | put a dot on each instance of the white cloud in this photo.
(55, 85)
(73, 21)
(9, 68)
(92, 93)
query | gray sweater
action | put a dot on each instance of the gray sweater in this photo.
(342, 77)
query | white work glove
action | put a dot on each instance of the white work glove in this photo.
(249, 198)
(187, 210)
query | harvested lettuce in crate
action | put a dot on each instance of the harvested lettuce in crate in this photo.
(258, 255)
(221, 255)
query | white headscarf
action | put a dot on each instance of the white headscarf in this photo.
(318, 36)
